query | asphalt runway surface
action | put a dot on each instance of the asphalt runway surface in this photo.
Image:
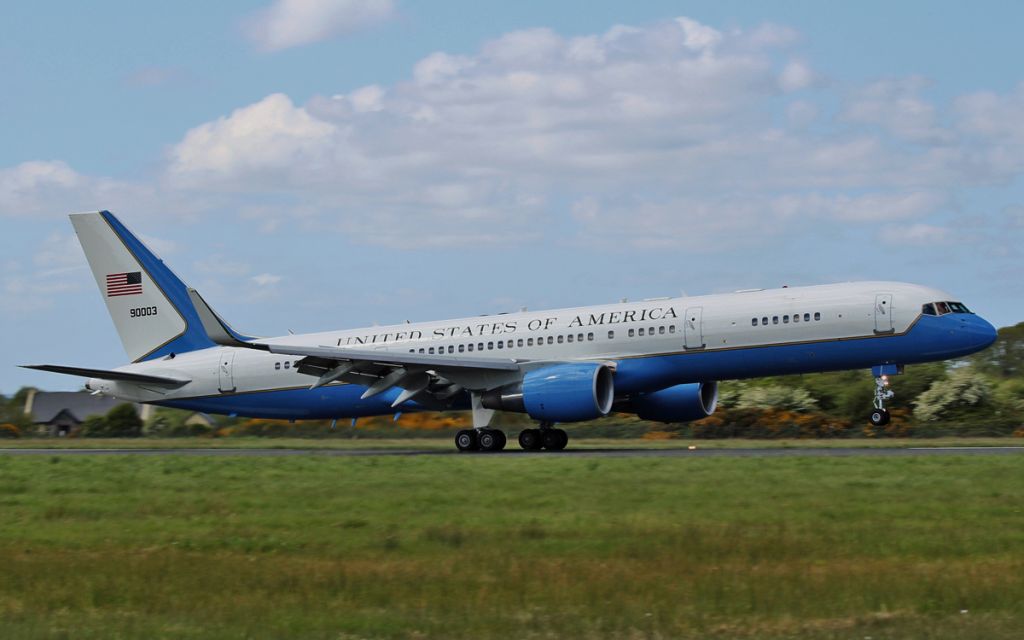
(572, 453)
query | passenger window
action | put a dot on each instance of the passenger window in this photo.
(672, 327)
(520, 342)
(469, 347)
(650, 331)
(510, 343)
(551, 340)
(529, 342)
(632, 333)
(431, 350)
(796, 317)
(422, 350)
(775, 319)
(611, 335)
(640, 331)
(490, 345)
(501, 344)
(287, 365)
(753, 322)
(560, 339)
(579, 337)
(590, 337)
(764, 321)
(570, 337)
(480, 346)
(785, 319)
(277, 365)
(817, 315)
(462, 348)
(412, 351)
(807, 317)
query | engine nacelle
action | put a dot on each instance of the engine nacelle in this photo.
(559, 393)
(681, 403)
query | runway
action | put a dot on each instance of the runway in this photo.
(572, 453)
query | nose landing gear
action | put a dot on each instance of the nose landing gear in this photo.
(880, 415)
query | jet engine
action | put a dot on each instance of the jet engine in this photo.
(570, 392)
(681, 403)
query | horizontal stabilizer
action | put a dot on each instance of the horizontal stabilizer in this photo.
(106, 374)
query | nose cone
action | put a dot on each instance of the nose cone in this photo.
(980, 333)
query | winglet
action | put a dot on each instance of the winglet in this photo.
(215, 327)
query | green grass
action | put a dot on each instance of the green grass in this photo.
(445, 444)
(511, 547)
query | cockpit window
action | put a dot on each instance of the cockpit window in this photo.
(958, 307)
(928, 309)
(942, 308)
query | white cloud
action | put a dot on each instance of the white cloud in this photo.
(266, 279)
(919, 234)
(292, 23)
(271, 138)
(53, 188)
(896, 106)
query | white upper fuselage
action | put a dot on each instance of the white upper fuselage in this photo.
(615, 332)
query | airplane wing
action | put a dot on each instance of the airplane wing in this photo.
(432, 380)
(429, 379)
(106, 374)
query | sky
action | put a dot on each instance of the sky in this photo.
(327, 164)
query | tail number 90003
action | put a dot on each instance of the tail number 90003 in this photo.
(142, 312)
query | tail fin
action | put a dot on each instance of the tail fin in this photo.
(149, 305)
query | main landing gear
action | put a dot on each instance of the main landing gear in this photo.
(546, 437)
(880, 415)
(489, 440)
(482, 438)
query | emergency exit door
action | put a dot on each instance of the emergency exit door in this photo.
(225, 370)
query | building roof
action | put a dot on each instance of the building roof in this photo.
(47, 405)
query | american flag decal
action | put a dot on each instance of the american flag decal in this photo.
(124, 284)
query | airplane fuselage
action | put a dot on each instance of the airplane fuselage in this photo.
(651, 345)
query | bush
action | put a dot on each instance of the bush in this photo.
(8, 430)
(121, 422)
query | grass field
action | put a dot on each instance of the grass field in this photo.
(511, 547)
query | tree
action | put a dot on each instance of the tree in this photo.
(1005, 358)
(123, 422)
(951, 398)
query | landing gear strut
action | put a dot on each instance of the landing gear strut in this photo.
(546, 437)
(880, 415)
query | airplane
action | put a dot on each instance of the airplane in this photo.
(660, 359)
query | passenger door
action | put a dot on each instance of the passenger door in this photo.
(883, 313)
(693, 328)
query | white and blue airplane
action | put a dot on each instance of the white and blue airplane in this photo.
(660, 359)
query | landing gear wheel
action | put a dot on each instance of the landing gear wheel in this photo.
(491, 440)
(554, 439)
(530, 439)
(466, 440)
(880, 417)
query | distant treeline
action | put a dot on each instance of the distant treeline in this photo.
(982, 395)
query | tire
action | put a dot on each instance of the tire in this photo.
(466, 440)
(880, 417)
(491, 440)
(529, 439)
(554, 439)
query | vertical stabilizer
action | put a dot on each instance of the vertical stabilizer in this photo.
(149, 305)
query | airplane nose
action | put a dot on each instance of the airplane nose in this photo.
(982, 333)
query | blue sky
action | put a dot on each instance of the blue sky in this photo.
(314, 164)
